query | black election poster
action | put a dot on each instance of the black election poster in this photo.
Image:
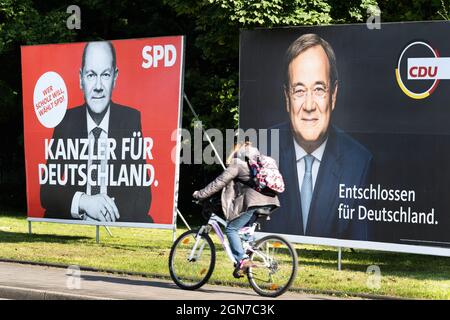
(359, 122)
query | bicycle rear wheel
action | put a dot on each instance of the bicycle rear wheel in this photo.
(191, 260)
(275, 266)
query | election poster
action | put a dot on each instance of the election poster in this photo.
(358, 119)
(100, 123)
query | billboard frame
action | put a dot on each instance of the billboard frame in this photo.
(173, 225)
(335, 242)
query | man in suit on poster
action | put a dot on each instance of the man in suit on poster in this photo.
(98, 119)
(315, 156)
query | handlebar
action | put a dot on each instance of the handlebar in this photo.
(196, 201)
(209, 205)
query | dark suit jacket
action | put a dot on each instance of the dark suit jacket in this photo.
(344, 161)
(133, 202)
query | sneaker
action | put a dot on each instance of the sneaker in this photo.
(237, 272)
(241, 268)
(246, 263)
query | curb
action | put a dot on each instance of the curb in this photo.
(16, 293)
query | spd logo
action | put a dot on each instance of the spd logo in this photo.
(419, 70)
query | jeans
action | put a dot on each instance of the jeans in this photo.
(232, 232)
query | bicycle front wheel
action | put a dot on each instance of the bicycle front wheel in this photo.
(191, 260)
(275, 265)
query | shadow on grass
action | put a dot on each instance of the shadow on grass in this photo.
(16, 237)
(135, 247)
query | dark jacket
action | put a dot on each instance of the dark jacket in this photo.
(345, 161)
(133, 202)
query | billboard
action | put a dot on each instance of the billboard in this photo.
(361, 121)
(99, 119)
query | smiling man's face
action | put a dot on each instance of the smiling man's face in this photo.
(309, 100)
(98, 76)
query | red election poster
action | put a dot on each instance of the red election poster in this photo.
(99, 123)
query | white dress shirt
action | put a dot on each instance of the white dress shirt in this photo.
(102, 140)
(300, 153)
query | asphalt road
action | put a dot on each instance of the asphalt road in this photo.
(22, 281)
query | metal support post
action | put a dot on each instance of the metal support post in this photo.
(339, 258)
(109, 232)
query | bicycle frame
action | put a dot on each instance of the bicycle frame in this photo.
(215, 223)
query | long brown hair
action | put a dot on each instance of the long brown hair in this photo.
(236, 148)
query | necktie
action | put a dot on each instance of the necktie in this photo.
(95, 189)
(306, 190)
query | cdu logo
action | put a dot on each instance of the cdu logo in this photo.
(419, 70)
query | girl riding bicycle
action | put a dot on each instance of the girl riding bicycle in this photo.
(239, 201)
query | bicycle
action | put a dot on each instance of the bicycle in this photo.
(274, 259)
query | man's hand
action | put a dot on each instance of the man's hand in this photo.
(99, 207)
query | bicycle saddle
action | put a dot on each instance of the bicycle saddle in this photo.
(264, 212)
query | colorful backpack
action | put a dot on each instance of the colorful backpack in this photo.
(265, 176)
